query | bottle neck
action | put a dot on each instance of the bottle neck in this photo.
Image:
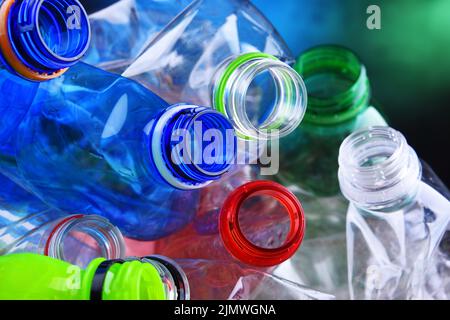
(378, 170)
(262, 96)
(86, 237)
(40, 39)
(337, 84)
(147, 278)
(190, 146)
(243, 249)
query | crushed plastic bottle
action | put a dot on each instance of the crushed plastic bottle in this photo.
(98, 143)
(122, 30)
(226, 54)
(396, 219)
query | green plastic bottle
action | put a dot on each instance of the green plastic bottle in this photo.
(28, 276)
(339, 103)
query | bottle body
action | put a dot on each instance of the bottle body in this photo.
(92, 134)
(122, 30)
(395, 222)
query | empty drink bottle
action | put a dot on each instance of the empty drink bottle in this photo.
(39, 40)
(397, 218)
(260, 223)
(226, 54)
(28, 225)
(339, 103)
(97, 143)
(27, 276)
(122, 30)
(199, 279)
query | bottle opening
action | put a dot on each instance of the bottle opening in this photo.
(262, 96)
(377, 168)
(80, 239)
(62, 25)
(337, 84)
(40, 39)
(264, 221)
(258, 252)
(192, 146)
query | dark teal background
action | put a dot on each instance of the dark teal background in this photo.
(408, 60)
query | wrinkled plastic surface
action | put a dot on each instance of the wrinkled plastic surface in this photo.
(220, 280)
(121, 31)
(180, 63)
(396, 255)
(81, 149)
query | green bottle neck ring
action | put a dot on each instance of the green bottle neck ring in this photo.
(340, 64)
(230, 89)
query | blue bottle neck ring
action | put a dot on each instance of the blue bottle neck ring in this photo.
(41, 39)
(191, 146)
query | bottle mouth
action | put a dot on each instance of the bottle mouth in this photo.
(79, 239)
(337, 84)
(40, 39)
(378, 169)
(263, 97)
(243, 249)
(191, 146)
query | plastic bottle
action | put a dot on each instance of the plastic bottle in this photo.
(28, 225)
(260, 224)
(98, 143)
(36, 44)
(123, 29)
(396, 219)
(339, 103)
(226, 55)
(219, 280)
(27, 276)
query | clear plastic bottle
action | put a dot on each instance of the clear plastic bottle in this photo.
(39, 40)
(396, 219)
(258, 223)
(199, 279)
(226, 54)
(28, 225)
(122, 30)
(98, 143)
(339, 103)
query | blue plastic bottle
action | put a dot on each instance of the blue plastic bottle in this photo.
(39, 40)
(99, 143)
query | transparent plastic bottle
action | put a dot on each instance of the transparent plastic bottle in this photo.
(339, 103)
(97, 143)
(396, 219)
(28, 276)
(36, 44)
(199, 279)
(258, 223)
(226, 54)
(122, 30)
(28, 225)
